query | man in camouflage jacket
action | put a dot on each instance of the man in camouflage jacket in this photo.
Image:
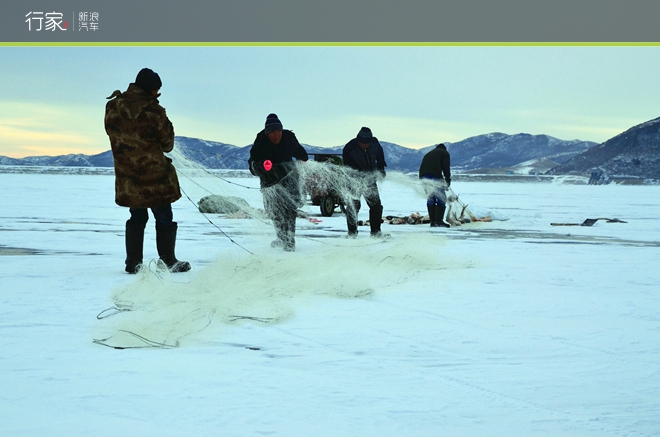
(140, 133)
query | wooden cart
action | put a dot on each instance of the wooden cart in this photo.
(320, 188)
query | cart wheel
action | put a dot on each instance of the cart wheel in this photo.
(327, 206)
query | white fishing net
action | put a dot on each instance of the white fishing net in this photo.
(161, 309)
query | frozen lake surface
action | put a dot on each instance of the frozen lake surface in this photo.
(512, 327)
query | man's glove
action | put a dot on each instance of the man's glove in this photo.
(448, 182)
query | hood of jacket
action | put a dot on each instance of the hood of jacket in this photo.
(132, 102)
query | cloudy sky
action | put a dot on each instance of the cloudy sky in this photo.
(52, 98)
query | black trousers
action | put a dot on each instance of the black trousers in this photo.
(353, 205)
(162, 214)
(281, 205)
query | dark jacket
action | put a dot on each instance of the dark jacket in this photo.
(140, 132)
(436, 164)
(368, 160)
(281, 155)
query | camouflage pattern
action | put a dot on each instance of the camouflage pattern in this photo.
(140, 133)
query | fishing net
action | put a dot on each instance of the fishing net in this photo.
(164, 310)
(324, 182)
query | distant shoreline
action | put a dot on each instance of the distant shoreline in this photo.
(458, 177)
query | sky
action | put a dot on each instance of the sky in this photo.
(52, 98)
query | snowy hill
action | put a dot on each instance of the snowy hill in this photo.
(72, 160)
(635, 152)
(490, 151)
(212, 154)
(225, 156)
(499, 151)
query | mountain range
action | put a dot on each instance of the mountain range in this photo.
(635, 152)
(483, 152)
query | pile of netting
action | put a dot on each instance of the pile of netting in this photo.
(164, 310)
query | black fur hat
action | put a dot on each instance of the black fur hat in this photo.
(148, 80)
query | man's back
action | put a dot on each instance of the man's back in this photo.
(139, 133)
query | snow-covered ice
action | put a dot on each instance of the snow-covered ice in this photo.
(513, 327)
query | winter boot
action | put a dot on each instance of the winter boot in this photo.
(351, 222)
(165, 242)
(289, 239)
(432, 216)
(375, 220)
(440, 215)
(285, 229)
(134, 242)
(381, 235)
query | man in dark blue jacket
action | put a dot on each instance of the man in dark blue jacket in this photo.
(434, 167)
(365, 154)
(271, 158)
